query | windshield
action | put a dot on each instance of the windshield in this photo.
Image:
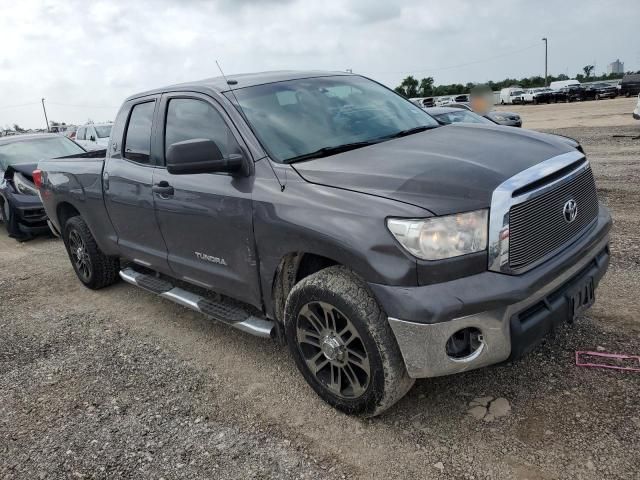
(299, 117)
(461, 116)
(35, 149)
(103, 131)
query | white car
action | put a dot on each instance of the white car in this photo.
(636, 112)
(94, 136)
(440, 101)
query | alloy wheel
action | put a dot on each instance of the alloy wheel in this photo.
(333, 350)
(79, 255)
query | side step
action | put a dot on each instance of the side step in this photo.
(228, 313)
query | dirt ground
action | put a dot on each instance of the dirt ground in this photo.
(121, 384)
(601, 113)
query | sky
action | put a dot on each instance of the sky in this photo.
(84, 57)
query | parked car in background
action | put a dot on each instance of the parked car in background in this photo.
(21, 209)
(442, 101)
(423, 101)
(508, 119)
(573, 93)
(537, 95)
(511, 95)
(558, 84)
(460, 98)
(636, 112)
(556, 96)
(629, 85)
(94, 136)
(448, 115)
(597, 91)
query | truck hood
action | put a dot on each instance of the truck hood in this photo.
(449, 169)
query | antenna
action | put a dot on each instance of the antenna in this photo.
(231, 83)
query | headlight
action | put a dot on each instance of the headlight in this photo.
(442, 237)
(23, 185)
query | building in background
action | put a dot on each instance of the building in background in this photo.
(616, 67)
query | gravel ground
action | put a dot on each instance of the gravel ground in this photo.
(119, 383)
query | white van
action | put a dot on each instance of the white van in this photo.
(511, 95)
(94, 136)
(563, 83)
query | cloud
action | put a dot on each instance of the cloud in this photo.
(86, 57)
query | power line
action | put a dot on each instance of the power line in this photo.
(20, 105)
(82, 106)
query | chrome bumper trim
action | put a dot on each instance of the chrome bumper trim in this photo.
(423, 345)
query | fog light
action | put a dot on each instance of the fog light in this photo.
(465, 343)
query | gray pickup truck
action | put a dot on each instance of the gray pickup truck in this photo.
(331, 214)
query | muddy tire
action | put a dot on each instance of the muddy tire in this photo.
(93, 268)
(342, 343)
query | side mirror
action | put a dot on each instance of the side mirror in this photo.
(200, 156)
(92, 138)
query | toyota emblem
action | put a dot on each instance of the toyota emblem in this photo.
(570, 211)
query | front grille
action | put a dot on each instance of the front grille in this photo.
(537, 226)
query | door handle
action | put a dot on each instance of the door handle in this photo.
(163, 189)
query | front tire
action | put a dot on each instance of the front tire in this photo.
(342, 343)
(94, 269)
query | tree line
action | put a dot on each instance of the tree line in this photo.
(412, 87)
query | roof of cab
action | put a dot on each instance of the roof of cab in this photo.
(219, 84)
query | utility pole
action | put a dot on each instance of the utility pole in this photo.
(45, 115)
(544, 39)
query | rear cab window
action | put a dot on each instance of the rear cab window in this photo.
(137, 144)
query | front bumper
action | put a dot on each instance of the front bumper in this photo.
(513, 312)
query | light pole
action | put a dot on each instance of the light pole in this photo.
(544, 39)
(45, 115)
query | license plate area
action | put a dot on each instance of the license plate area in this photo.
(581, 297)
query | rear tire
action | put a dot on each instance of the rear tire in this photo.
(94, 269)
(342, 343)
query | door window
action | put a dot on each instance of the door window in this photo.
(90, 134)
(188, 118)
(137, 147)
(80, 134)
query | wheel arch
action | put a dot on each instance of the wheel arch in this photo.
(292, 268)
(64, 211)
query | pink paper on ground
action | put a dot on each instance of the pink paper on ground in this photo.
(620, 356)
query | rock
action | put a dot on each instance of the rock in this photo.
(477, 412)
(439, 466)
(483, 401)
(590, 465)
(600, 348)
(500, 407)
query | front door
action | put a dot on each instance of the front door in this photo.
(207, 219)
(128, 181)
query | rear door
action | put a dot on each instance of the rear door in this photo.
(127, 181)
(207, 221)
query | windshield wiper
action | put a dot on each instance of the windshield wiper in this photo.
(328, 151)
(411, 131)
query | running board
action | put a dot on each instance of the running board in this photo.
(229, 314)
